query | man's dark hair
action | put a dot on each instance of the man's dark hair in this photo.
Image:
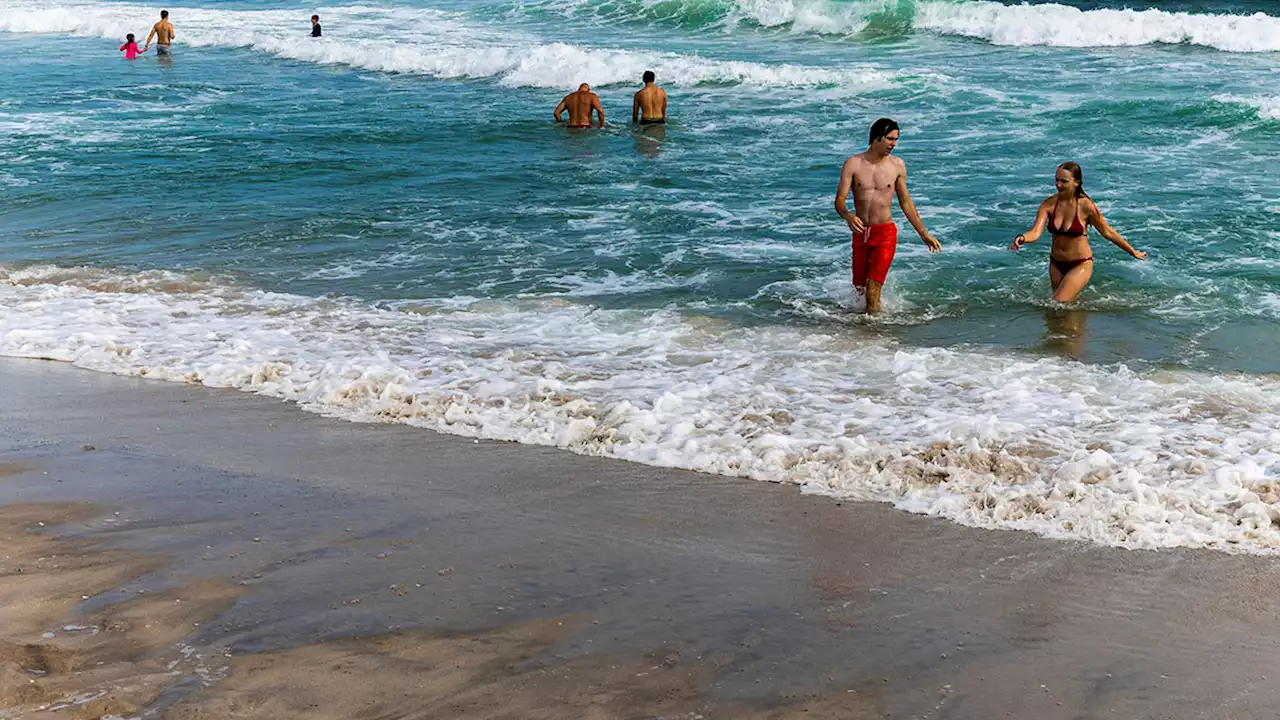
(648, 76)
(882, 127)
(315, 17)
(164, 13)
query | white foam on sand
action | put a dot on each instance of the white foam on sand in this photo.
(987, 439)
(426, 42)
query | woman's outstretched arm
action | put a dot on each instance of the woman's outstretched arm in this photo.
(1108, 232)
(1032, 235)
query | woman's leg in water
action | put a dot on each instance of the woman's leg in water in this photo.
(1055, 277)
(1067, 287)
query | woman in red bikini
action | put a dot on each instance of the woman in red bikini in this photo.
(1067, 216)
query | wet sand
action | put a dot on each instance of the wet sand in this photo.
(209, 554)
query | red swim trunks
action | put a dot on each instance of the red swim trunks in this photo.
(873, 250)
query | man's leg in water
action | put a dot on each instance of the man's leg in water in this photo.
(873, 296)
(881, 243)
(858, 262)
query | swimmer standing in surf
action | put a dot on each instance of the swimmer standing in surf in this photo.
(649, 105)
(164, 33)
(580, 105)
(1067, 215)
(130, 47)
(874, 177)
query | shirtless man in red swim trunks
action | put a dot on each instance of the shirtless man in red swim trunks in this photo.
(580, 104)
(875, 176)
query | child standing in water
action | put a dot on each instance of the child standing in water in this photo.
(130, 47)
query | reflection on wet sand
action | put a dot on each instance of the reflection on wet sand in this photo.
(111, 661)
(1066, 332)
(121, 657)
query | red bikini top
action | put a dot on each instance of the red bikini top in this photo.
(1077, 227)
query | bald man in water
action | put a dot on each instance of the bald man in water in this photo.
(580, 105)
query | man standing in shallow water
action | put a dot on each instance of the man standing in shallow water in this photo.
(580, 105)
(163, 33)
(649, 106)
(875, 176)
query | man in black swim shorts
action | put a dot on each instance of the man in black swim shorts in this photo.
(649, 106)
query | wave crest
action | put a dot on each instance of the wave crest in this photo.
(1041, 24)
(433, 43)
(1065, 26)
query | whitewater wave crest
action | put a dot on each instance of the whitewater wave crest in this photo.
(1066, 26)
(1267, 106)
(427, 42)
(1040, 24)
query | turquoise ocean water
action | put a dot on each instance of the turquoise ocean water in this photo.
(384, 224)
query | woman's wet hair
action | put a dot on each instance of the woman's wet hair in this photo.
(129, 37)
(882, 127)
(1078, 174)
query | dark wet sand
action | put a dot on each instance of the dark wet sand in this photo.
(244, 559)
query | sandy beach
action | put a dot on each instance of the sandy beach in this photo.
(200, 553)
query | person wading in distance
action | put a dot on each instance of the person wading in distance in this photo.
(580, 105)
(649, 106)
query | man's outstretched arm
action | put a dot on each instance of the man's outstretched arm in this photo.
(151, 35)
(842, 194)
(913, 216)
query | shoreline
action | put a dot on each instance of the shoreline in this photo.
(567, 585)
(1041, 444)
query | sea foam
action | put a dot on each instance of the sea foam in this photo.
(427, 42)
(1040, 24)
(1066, 26)
(1267, 106)
(990, 439)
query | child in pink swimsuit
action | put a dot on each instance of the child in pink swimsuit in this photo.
(130, 47)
